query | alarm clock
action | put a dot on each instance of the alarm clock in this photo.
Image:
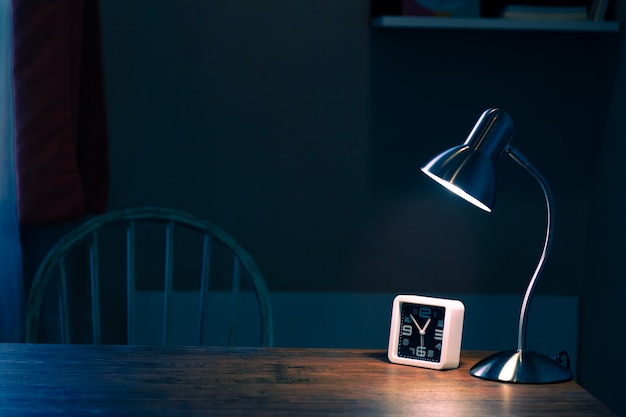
(426, 331)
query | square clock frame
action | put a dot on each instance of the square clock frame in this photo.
(426, 331)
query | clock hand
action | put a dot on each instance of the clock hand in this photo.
(418, 326)
(423, 331)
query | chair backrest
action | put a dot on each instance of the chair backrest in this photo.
(149, 251)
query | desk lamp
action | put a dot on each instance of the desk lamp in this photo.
(468, 170)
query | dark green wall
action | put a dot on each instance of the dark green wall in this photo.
(602, 313)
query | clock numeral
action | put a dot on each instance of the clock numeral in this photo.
(425, 312)
(407, 330)
(438, 334)
(420, 351)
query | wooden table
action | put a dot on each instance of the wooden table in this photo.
(86, 380)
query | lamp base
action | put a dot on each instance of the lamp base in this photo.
(521, 367)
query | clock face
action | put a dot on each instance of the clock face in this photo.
(421, 334)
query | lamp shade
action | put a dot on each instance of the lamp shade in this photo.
(468, 170)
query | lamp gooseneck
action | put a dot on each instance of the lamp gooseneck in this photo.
(521, 365)
(518, 157)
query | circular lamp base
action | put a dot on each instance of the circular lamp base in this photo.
(521, 367)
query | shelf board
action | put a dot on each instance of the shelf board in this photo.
(415, 22)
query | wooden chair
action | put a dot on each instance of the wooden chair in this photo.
(153, 253)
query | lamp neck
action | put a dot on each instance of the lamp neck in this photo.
(518, 157)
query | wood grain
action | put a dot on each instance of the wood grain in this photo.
(38, 380)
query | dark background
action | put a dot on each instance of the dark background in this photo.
(300, 129)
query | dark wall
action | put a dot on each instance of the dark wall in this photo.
(603, 336)
(301, 130)
(256, 117)
(429, 87)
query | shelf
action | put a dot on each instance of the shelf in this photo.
(412, 22)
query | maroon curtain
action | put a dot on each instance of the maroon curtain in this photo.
(61, 145)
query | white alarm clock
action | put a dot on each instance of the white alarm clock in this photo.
(426, 331)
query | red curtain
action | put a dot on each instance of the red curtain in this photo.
(61, 145)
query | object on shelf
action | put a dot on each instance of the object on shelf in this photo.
(441, 8)
(598, 9)
(514, 11)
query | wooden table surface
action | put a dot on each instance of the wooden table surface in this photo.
(86, 380)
